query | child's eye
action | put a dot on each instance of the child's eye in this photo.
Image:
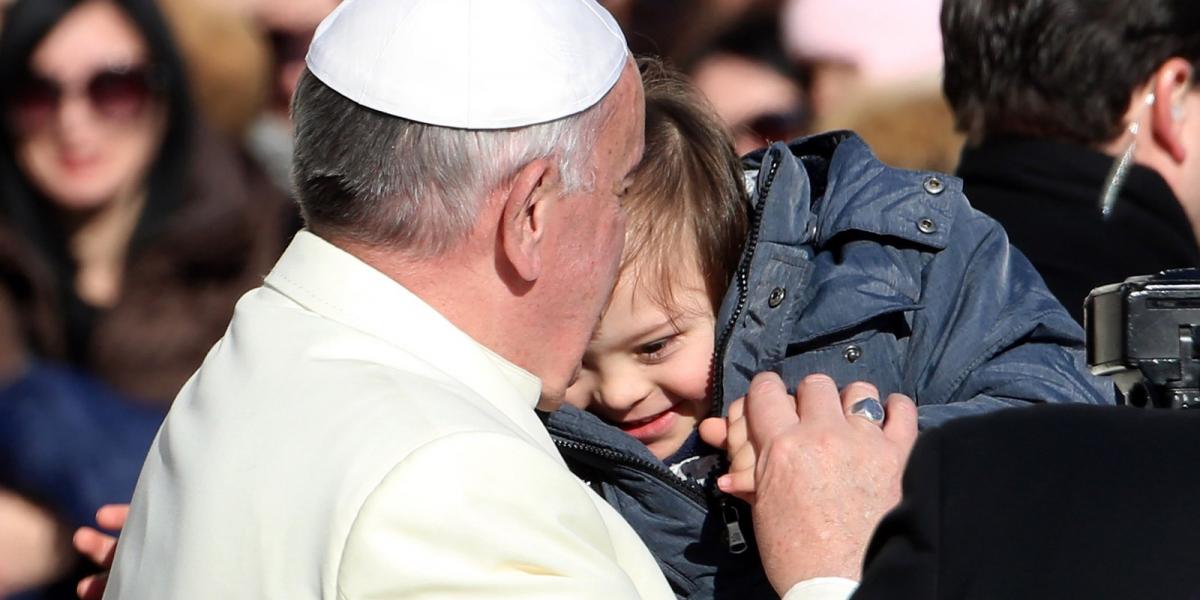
(656, 350)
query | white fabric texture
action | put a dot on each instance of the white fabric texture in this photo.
(822, 588)
(343, 441)
(471, 64)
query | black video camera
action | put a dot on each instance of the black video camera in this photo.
(1145, 333)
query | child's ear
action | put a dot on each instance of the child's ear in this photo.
(527, 206)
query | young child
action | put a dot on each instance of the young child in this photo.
(834, 264)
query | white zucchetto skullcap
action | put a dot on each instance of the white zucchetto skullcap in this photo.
(471, 64)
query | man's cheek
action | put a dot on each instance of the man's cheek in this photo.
(577, 398)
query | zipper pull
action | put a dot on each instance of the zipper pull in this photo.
(733, 529)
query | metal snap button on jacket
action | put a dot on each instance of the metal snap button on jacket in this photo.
(934, 185)
(926, 225)
(776, 297)
(852, 353)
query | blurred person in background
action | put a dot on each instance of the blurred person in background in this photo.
(678, 30)
(1058, 95)
(228, 60)
(752, 86)
(289, 26)
(857, 47)
(127, 233)
(910, 129)
(874, 66)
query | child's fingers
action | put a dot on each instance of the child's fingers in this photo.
(736, 433)
(744, 460)
(714, 431)
(737, 438)
(112, 516)
(738, 483)
(737, 409)
(99, 547)
(95, 545)
(92, 587)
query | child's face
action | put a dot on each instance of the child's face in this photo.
(647, 368)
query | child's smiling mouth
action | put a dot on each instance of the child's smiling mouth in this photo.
(652, 427)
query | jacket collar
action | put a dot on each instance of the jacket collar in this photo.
(848, 189)
(336, 285)
(832, 184)
(575, 425)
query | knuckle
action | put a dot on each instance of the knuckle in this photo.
(787, 444)
(763, 382)
(861, 385)
(818, 379)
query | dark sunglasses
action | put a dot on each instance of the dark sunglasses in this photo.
(118, 94)
(779, 126)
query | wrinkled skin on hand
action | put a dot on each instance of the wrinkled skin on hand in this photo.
(819, 479)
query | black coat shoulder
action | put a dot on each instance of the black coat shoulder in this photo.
(1045, 502)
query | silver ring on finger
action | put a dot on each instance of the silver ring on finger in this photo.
(870, 409)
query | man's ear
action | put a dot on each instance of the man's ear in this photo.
(525, 217)
(1171, 83)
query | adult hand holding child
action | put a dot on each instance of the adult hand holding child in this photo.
(845, 471)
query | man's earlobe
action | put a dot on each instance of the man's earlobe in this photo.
(527, 206)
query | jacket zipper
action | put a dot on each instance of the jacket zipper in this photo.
(692, 491)
(729, 513)
(742, 281)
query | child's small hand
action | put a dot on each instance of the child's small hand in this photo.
(731, 434)
(99, 547)
(739, 481)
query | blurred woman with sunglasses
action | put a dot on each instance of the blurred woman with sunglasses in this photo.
(127, 233)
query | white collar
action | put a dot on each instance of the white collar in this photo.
(335, 284)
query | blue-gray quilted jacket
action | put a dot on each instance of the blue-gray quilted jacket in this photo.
(865, 273)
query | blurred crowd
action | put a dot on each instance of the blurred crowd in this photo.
(144, 183)
(143, 190)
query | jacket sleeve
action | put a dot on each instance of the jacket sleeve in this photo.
(484, 515)
(991, 334)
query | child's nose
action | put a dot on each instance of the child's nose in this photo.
(622, 393)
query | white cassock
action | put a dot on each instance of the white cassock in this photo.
(344, 440)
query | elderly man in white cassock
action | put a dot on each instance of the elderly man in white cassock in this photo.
(366, 427)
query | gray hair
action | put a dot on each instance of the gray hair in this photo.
(378, 179)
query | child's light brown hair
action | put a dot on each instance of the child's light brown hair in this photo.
(688, 197)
